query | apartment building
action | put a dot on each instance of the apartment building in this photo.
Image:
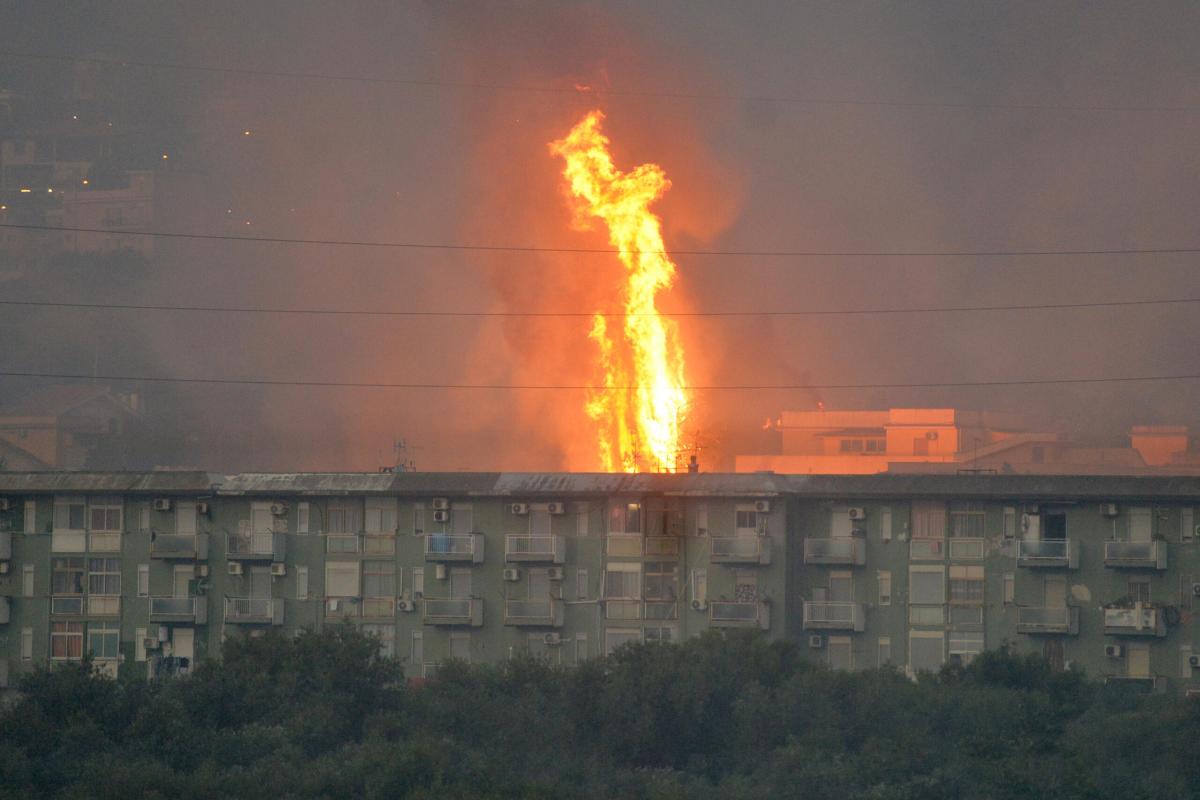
(150, 571)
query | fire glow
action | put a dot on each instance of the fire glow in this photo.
(641, 400)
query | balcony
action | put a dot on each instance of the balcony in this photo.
(190, 610)
(257, 546)
(840, 550)
(1139, 620)
(104, 605)
(454, 547)
(342, 543)
(461, 611)
(535, 549)
(623, 544)
(66, 605)
(341, 607)
(1138, 684)
(184, 546)
(379, 544)
(1048, 553)
(1064, 620)
(536, 613)
(740, 550)
(964, 549)
(662, 546)
(833, 616)
(723, 614)
(378, 607)
(104, 541)
(253, 611)
(1136, 555)
(927, 550)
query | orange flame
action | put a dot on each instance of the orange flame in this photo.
(642, 401)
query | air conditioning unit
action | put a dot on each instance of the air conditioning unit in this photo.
(1196, 589)
(5, 504)
(857, 513)
(1113, 651)
(162, 504)
(278, 570)
(441, 515)
(202, 570)
(203, 508)
(520, 509)
(816, 641)
(1108, 509)
(235, 568)
(552, 639)
(440, 504)
(439, 572)
(512, 574)
(762, 506)
(1194, 661)
(555, 573)
(406, 605)
(556, 508)
(279, 509)
(699, 605)
(150, 643)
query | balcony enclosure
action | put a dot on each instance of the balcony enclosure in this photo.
(185, 546)
(256, 546)
(1062, 620)
(1140, 620)
(546, 612)
(454, 547)
(455, 611)
(253, 611)
(740, 550)
(840, 550)
(1136, 555)
(833, 616)
(1048, 553)
(520, 548)
(193, 610)
(723, 614)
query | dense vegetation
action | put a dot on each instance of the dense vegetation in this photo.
(324, 716)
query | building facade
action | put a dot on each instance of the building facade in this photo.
(151, 571)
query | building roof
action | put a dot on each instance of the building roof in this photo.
(53, 401)
(155, 482)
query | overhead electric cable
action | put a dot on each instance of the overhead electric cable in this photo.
(355, 312)
(585, 91)
(611, 251)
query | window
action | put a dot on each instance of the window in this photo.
(379, 579)
(839, 652)
(301, 583)
(1141, 524)
(615, 637)
(416, 653)
(700, 585)
(661, 635)
(104, 576)
(581, 584)
(66, 640)
(926, 650)
(927, 586)
(139, 644)
(381, 515)
(143, 586)
(851, 445)
(104, 640)
(67, 576)
(539, 523)
(702, 521)
(623, 581)
(344, 517)
(885, 523)
(105, 516)
(1010, 591)
(26, 644)
(1010, 522)
(885, 587)
(929, 520)
(30, 516)
(884, 649)
(965, 645)
(341, 579)
(1054, 526)
(460, 646)
(418, 519)
(302, 513)
(968, 520)
(68, 514)
(386, 634)
(582, 513)
(625, 518)
(462, 519)
(1139, 591)
(966, 585)
(747, 519)
(876, 445)
(581, 648)
(27, 580)
(185, 518)
(662, 583)
(418, 581)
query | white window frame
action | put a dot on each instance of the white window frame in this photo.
(883, 651)
(884, 580)
(624, 568)
(581, 584)
(303, 514)
(301, 583)
(27, 644)
(27, 580)
(143, 580)
(30, 518)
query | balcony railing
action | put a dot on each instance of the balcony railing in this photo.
(840, 550)
(623, 544)
(723, 614)
(963, 549)
(342, 543)
(1142, 684)
(927, 550)
(341, 607)
(661, 610)
(1063, 620)
(454, 547)
(1049, 553)
(67, 605)
(542, 613)
(254, 610)
(378, 607)
(662, 546)
(379, 544)
(622, 608)
(257, 546)
(104, 542)
(458, 611)
(535, 549)
(833, 616)
(104, 605)
(1138, 555)
(179, 609)
(189, 546)
(1139, 620)
(740, 550)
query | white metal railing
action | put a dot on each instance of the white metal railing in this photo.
(250, 609)
(1043, 549)
(833, 614)
(834, 550)
(521, 547)
(530, 612)
(736, 548)
(450, 544)
(173, 606)
(379, 607)
(1140, 553)
(104, 605)
(257, 543)
(105, 542)
(450, 610)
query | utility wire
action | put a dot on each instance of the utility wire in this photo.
(590, 314)
(572, 387)
(610, 251)
(584, 91)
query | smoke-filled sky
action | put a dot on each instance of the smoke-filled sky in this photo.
(909, 127)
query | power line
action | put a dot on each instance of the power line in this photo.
(590, 314)
(585, 92)
(490, 248)
(581, 387)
